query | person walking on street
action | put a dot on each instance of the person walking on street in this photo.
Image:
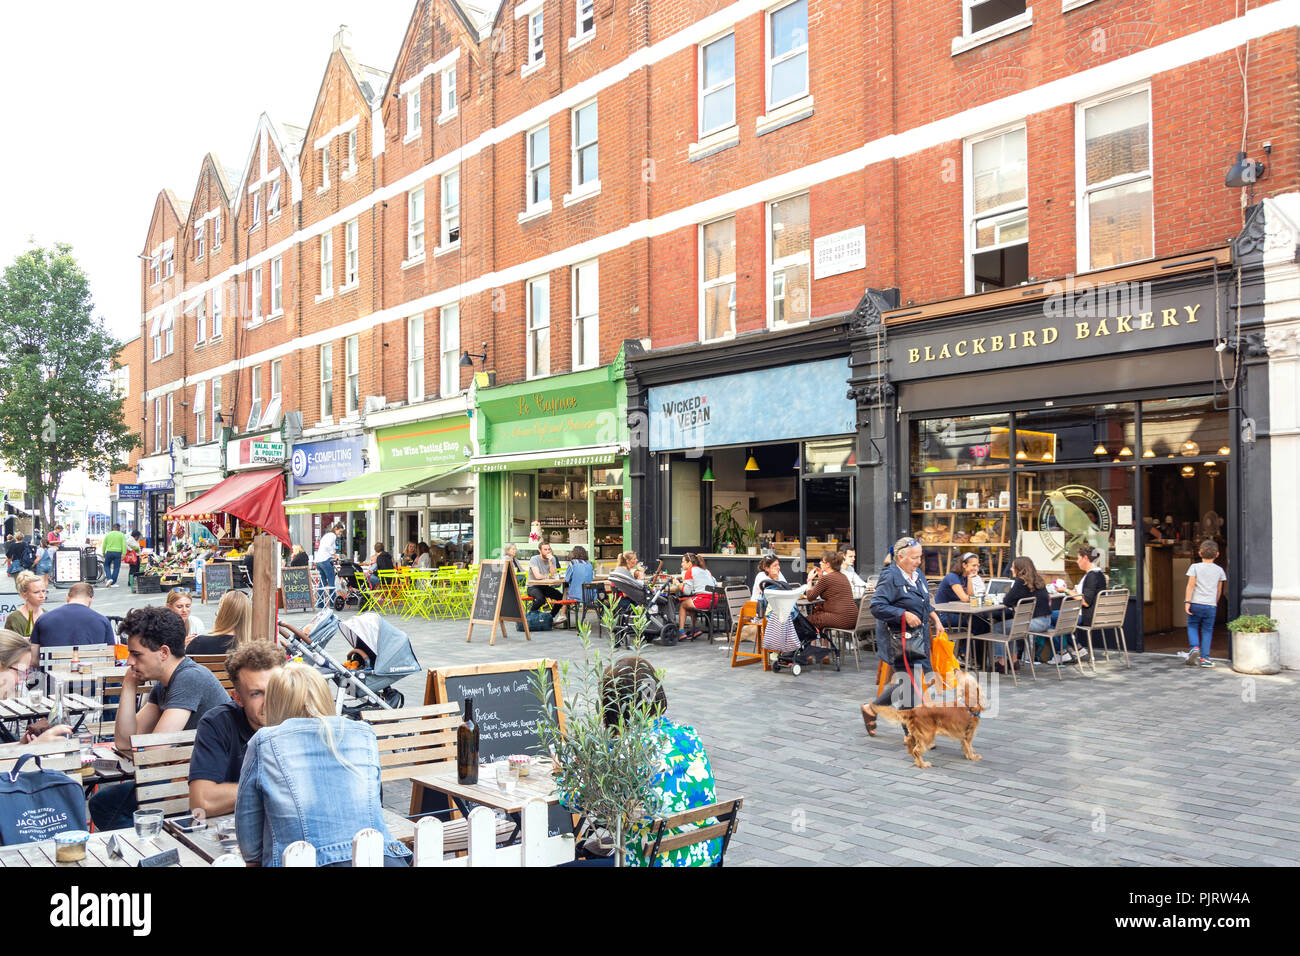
(114, 547)
(324, 559)
(1205, 583)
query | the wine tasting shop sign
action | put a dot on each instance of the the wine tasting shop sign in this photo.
(1079, 322)
(438, 442)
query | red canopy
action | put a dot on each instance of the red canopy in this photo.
(254, 497)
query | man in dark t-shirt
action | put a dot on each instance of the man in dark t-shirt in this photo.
(74, 624)
(225, 730)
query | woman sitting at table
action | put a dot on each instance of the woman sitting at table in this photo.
(232, 629)
(769, 569)
(959, 585)
(696, 580)
(424, 557)
(381, 560)
(1028, 584)
(627, 578)
(1092, 584)
(15, 658)
(838, 609)
(309, 775)
(32, 588)
(578, 573)
(180, 600)
(511, 553)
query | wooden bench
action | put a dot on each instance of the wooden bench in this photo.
(411, 740)
(217, 664)
(162, 770)
(62, 755)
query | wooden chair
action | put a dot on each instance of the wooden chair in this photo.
(162, 770)
(217, 664)
(62, 755)
(1108, 615)
(1019, 631)
(747, 616)
(699, 831)
(1066, 624)
(413, 740)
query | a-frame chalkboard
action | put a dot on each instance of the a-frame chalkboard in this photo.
(497, 599)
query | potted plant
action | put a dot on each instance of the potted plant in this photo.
(727, 528)
(604, 772)
(1256, 645)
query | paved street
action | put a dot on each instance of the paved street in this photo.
(1160, 764)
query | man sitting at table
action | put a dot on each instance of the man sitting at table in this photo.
(182, 693)
(543, 568)
(225, 730)
(74, 624)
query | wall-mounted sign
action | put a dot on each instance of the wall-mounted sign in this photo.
(436, 442)
(569, 411)
(325, 462)
(205, 456)
(165, 485)
(1072, 516)
(840, 252)
(130, 492)
(255, 452)
(738, 409)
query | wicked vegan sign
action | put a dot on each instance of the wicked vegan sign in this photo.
(1078, 322)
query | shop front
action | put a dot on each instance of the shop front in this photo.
(437, 508)
(1097, 415)
(198, 469)
(317, 466)
(157, 489)
(553, 464)
(763, 459)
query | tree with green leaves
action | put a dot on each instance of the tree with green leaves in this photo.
(58, 410)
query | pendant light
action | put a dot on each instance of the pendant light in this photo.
(1190, 449)
(1100, 449)
(1188, 471)
(708, 473)
(751, 465)
(1126, 452)
(1149, 453)
(1225, 451)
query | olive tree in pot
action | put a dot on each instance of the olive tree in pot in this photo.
(606, 751)
(1256, 645)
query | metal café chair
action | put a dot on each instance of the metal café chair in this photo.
(1066, 624)
(1019, 631)
(1108, 615)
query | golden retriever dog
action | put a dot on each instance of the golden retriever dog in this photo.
(957, 715)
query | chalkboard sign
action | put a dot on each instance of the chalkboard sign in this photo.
(496, 599)
(295, 587)
(218, 578)
(506, 709)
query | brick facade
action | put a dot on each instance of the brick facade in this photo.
(877, 142)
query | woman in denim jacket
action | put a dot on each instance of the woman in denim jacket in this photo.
(309, 775)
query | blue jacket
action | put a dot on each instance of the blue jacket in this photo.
(892, 597)
(293, 788)
(577, 574)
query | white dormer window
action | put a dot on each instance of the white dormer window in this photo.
(449, 91)
(199, 229)
(536, 44)
(273, 202)
(586, 17)
(325, 168)
(413, 113)
(257, 210)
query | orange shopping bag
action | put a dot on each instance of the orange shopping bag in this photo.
(943, 659)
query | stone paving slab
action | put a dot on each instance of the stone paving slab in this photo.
(1157, 764)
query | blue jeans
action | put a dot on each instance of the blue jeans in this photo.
(326, 569)
(1043, 623)
(1200, 627)
(112, 565)
(113, 805)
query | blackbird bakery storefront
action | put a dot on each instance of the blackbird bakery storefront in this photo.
(1096, 413)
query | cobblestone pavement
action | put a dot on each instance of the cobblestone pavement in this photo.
(1160, 764)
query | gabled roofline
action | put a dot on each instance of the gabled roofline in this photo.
(291, 163)
(174, 203)
(353, 70)
(404, 48)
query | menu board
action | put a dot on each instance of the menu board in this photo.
(496, 599)
(218, 578)
(67, 565)
(295, 588)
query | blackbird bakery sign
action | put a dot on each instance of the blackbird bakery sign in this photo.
(1062, 330)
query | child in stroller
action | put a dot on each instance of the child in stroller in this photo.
(346, 589)
(633, 594)
(789, 636)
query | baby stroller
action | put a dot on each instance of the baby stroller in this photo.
(346, 590)
(790, 637)
(379, 657)
(660, 626)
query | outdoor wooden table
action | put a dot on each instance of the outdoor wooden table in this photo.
(538, 785)
(967, 611)
(207, 844)
(97, 855)
(23, 710)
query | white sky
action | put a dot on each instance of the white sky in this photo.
(105, 104)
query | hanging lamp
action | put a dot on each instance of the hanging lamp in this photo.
(751, 465)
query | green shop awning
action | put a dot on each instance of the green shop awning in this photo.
(571, 458)
(363, 493)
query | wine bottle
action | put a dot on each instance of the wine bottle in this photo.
(467, 746)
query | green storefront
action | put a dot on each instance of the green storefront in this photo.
(554, 452)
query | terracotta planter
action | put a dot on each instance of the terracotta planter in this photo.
(1256, 653)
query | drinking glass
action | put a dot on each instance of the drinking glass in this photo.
(148, 823)
(507, 777)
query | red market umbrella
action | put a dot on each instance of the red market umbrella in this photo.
(254, 497)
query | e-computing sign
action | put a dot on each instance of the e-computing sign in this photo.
(325, 462)
(776, 404)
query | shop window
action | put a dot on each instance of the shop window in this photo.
(1184, 428)
(1060, 510)
(686, 524)
(1116, 169)
(968, 512)
(562, 505)
(607, 513)
(1084, 434)
(521, 505)
(998, 224)
(956, 444)
(829, 457)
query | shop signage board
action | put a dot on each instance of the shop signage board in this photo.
(840, 252)
(255, 452)
(218, 578)
(205, 456)
(295, 588)
(738, 409)
(439, 441)
(130, 492)
(581, 410)
(326, 462)
(1081, 321)
(496, 600)
(162, 485)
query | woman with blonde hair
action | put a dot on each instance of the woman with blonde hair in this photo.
(15, 659)
(32, 588)
(232, 628)
(309, 775)
(181, 600)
